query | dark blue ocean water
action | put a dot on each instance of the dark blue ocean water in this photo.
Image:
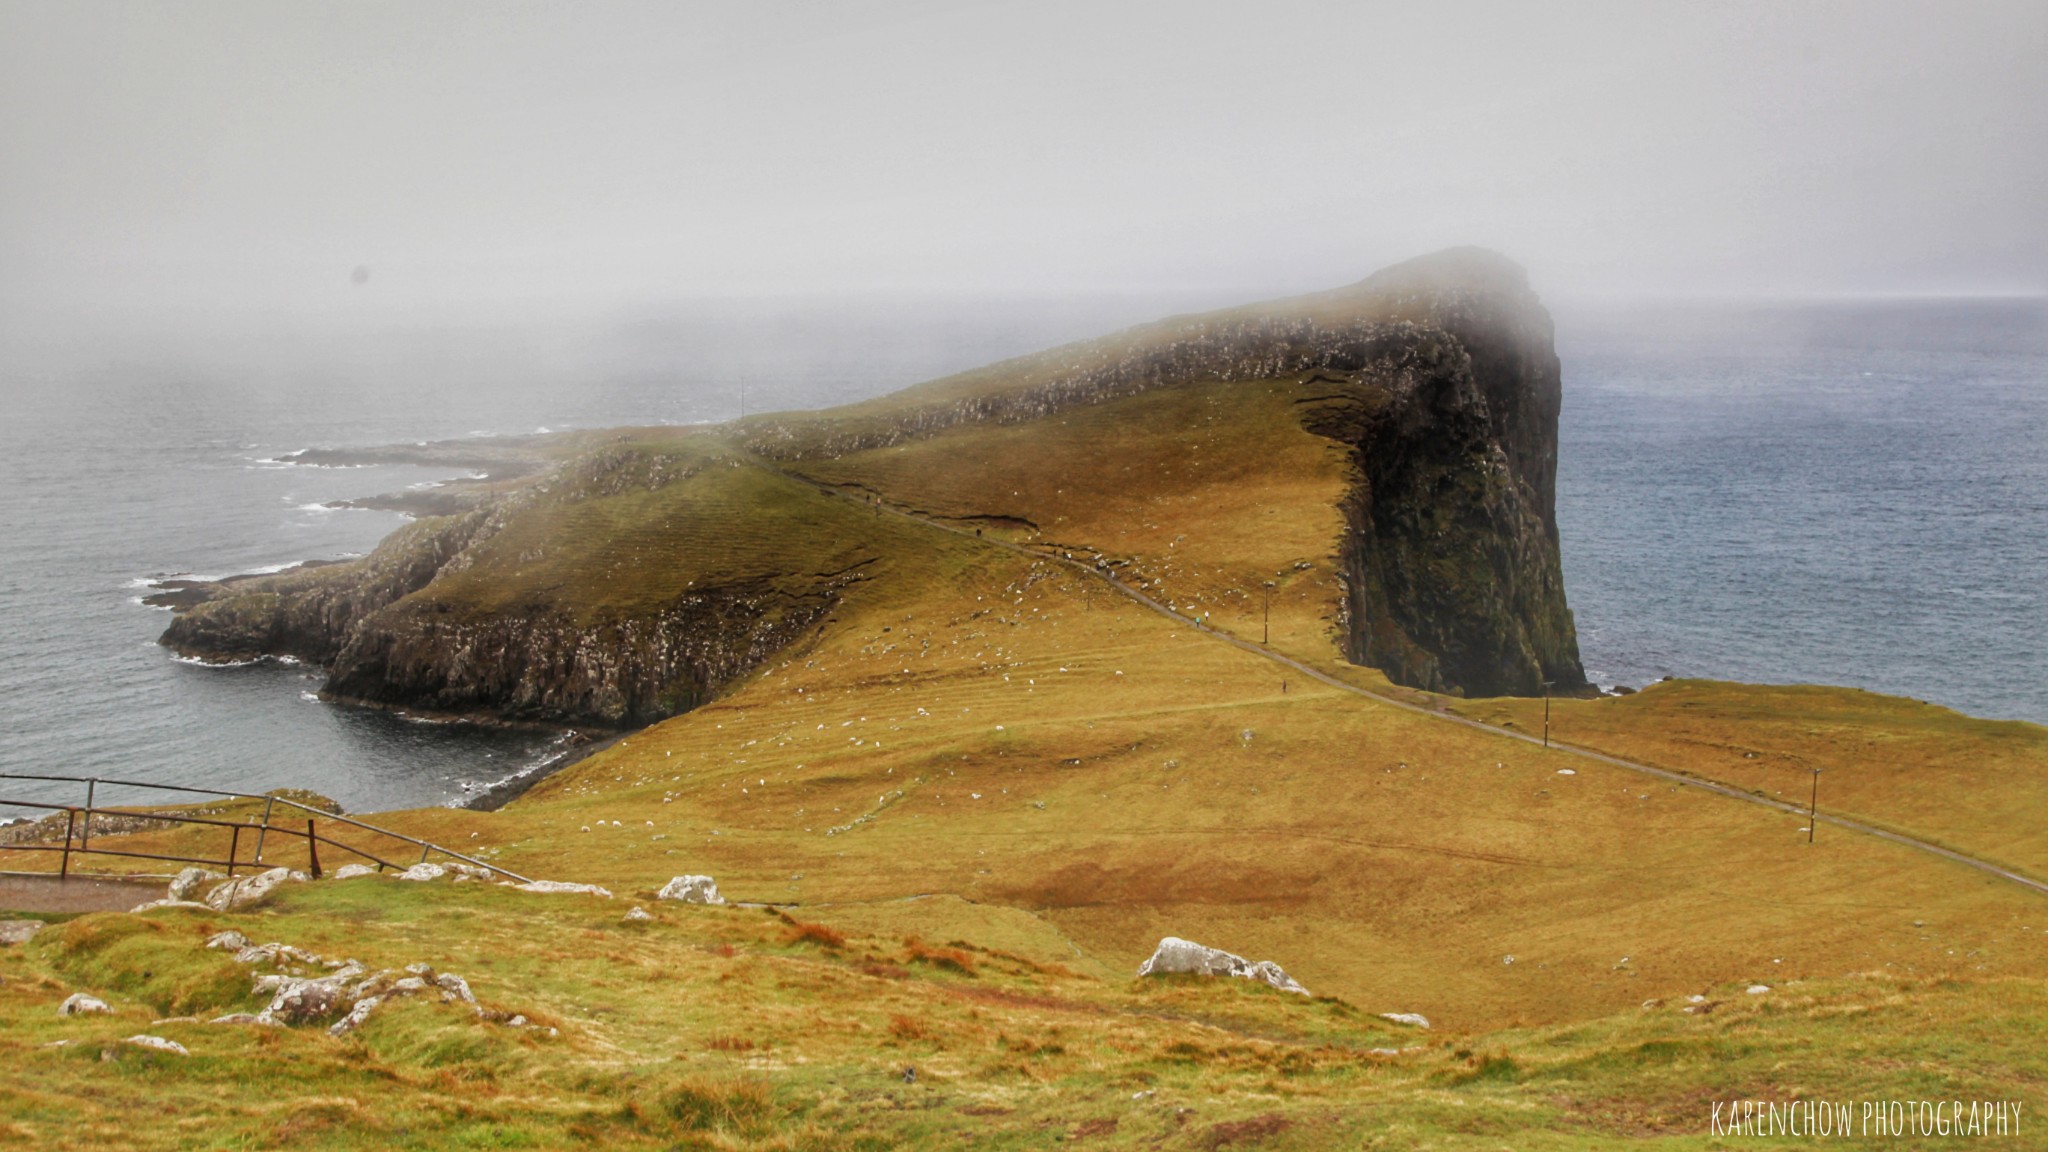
(1854, 495)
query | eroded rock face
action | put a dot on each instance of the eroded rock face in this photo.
(186, 885)
(1175, 955)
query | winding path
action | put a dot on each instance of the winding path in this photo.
(1325, 678)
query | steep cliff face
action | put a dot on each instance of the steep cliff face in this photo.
(1453, 579)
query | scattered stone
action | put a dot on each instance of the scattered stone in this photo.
(691, 890)
(19, 931)
(421, 969)
(423, 872)
(454, 988)
(408, 985)
(158, 1043)
(638, 914)
(1567, 772)
(152, 905)
(249, 890)
(1177, 955)
(187, 884)
(355, 1017)
(231, 940)
(1415, 1018)
(516, 1022)
(351, 871)
(1758, 989)
(78, 1004)
(238, 1018)
(561, 887)
(300, 1001)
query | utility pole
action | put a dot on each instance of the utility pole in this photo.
(1546, 713)
(1266, 629)
(1813, 807)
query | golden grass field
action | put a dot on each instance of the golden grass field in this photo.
(979, 795)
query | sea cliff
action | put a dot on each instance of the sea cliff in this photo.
(628, 577)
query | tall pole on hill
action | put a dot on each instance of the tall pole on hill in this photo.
(1813, 807)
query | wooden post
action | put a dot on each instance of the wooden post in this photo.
(234, 850)
(312, 849)
(1813, 807)
(1546, 713)
(70, 818)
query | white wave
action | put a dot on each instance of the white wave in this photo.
(140, 602)
(196, 662)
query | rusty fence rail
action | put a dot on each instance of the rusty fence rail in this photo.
(78, 833)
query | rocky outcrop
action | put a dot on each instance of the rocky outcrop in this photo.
(547, 664)
(1177, 956)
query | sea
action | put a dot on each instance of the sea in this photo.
(1840, 492)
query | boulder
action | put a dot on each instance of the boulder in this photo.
(298, 1001)
(637, 915)
(231, 940)
(158, 1043)
(1177, 955)
(356, 1015)
(78, 1004)
(351, 871)
(187, 884)
(454, 987)
(1415, 1018)
(692, 890)
(19, 931)
(423, 871)
(248, 890)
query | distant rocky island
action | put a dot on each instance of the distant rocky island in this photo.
(614, 579)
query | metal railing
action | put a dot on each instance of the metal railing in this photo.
(263, 828)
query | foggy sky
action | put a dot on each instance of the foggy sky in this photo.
(217, 159)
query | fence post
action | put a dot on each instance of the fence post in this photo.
(85, 837)
(234, 849)
(312, 848)
(70, 818)
(267, 806)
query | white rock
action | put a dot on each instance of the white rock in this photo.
(1567, 772)
(355, 1017)
(351, 871)
(1758, 989)
(190, 881)
(238, 1018)
(248, 890)
(637, 914)
(563, 887)
(298, 1001)
(152, 905)
(423, 871)
(19, 931)
(1415, 1018)
(691, 890)
(231, 940)
(455, 987)
(1177, 955)
(158, 1043)
(78, 1003)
